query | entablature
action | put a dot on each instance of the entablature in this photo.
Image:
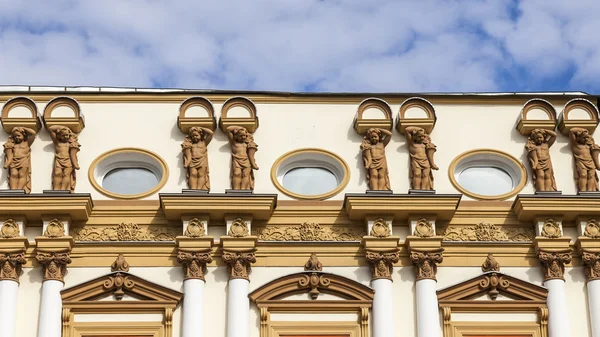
(34, 206)
(569, 207)
(216, 205)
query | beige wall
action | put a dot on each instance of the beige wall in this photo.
(285, 127)
(216, 293)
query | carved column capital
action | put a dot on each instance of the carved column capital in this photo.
(382, 263)
(54, 264)
(426, 263)
(194, 263)
(553, 263)
(591, 262)
(11, 266)
(239, 263)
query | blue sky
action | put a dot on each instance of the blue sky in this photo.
(304, 45)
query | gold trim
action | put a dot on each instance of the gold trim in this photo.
(109, 329)
(282, 329)
(467, 154)
(465, 329)
(99, 188)
(340, 160)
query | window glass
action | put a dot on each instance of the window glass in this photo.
(486, 180)
(309, 180)
(129, 180)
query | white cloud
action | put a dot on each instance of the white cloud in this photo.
(428, 45)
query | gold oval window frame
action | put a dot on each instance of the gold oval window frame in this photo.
(491, 152)
(308, 151)
(98, 187)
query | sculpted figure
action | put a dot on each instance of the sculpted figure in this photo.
(65, 158)
(538, 152)
(17, 158)
(421, 151)
(195, 157)
(243, 148)
(585, 153)
(373, 152)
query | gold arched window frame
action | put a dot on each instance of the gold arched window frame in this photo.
(354, 298)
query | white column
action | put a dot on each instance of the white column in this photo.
(193, 308)
(428, 314)
(558, 314)
(593, 288)
(383, 308)
(238, 308)
(50, 324)
(8, 307)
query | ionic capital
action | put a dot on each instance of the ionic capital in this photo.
(239, 263)
(194, 263)
(426, 263)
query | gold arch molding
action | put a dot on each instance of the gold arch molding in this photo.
(316, 152)
(503, 156)
(125, 150)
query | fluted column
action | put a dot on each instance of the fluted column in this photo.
(238, 253)
(381, 253)
(428, 316)
(53, 253)
(12, 257)
(553, 269)
(591, 262)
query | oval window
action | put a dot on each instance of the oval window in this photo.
(129, 180)
(310, 174)
(487, 174)
(310, 180)
(486, 180)
(128, 173)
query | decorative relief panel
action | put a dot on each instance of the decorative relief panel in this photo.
(55, 229)
(424, 229)
(126, 231)
(238, 229)
(592, 229)
(9, 229)
(195, 229)
(551, 229)
(487, 232)
(309, 231)
(380, 229)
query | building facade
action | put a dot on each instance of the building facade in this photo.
(166, 213)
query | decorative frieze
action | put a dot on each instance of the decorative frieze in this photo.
(310, 231)
(9, 229)
(591, 262)
(239, 264)
(382, 263)
(126, 231)
(238, 229)
(55, 229)
(488, 232)
(11, 266)
(592, 229)
(553, 263)
(54, 265)
(195, 228)
(426, 263)
(194, 264)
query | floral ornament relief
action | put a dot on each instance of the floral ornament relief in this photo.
(55, 229)
(488, 232)
(54, 265)
(490, 264)
(195, 229)
(551, 229)
(194, 264)
(120, 264)
(382, 264)
(592, 229)
(11, 266)
(381, 229)
(310, 231)
(424, 229)
(9, 229)
(313, 263)
(238, 229)
(553, 263)
(239, 264)
(426, 263)
(126, 231)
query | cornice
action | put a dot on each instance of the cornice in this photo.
(77, 206)
(528, 207)
(216, 205)
(442, 206)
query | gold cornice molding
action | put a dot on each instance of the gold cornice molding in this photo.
(216, 205)
(77, 206)
(570, 207)
(400, 206)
